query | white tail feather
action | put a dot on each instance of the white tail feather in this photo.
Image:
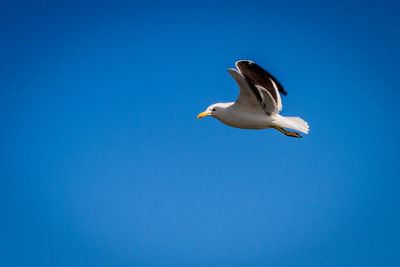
(295, 123)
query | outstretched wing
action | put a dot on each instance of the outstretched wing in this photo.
(260, 77)
(253, 98)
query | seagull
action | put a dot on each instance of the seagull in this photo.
(258, 104)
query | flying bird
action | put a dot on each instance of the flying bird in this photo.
(258, 104)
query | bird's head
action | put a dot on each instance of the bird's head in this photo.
(215, 110)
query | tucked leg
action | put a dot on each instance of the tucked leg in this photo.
(288, 133)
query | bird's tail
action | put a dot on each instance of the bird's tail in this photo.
(295, 123)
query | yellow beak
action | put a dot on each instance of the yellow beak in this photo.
(203, 114)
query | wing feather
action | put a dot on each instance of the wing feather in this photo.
(251, 97)
(260, 77)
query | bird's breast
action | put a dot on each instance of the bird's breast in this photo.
(245, 120)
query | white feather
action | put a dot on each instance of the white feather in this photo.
(295, 123)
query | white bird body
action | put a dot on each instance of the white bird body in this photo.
(258, 104)
(234, 115)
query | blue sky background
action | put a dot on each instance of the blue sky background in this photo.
(103, 162)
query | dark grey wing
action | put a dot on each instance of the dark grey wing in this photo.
(253, 98)
(258, 76)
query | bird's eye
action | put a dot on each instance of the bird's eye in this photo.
(213, 109)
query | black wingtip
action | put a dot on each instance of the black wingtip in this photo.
(249, 63)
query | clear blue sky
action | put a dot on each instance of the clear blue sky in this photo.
(104, 163)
